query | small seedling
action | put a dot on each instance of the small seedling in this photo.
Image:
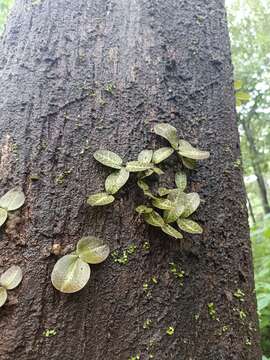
(212, 311)
(170, 330)
(9, 280)
(72, 272)
(10, 201)
(147, 324)
(49, 332)
(239, 294)
(176, 205)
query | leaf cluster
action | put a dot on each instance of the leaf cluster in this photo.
(9, 280)
(10, 201)
(177, 205)
(72, 272)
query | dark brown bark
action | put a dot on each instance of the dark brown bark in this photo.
(256, 167)
(168, 61)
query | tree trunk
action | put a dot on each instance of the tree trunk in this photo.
(167, 61)
(251, 212)
(256, 167)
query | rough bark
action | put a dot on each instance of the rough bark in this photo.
(168, 61)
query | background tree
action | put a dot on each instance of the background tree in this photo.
(79, 76)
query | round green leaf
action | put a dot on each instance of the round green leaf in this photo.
(192, 202)
(238, 84)
(11, 278)
(154, 219)
(70, 274)
(168, 229)
(162, 154)
(92, 250)
(100, 199)
(3, 296)
(178, 199)
(242, 96)
(163, 191)
(3, 216)
(187, 150)
(189, 226)
(108, 158)
(12, 200)
(136, 166)
(163, 204)
(181, 180)
(116, 180)
(168, 132)
(142, 209)
(145, 156)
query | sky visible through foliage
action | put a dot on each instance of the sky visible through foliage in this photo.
(249, 26)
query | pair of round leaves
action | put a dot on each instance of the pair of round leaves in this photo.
(183, 148)
(10, 201)
(72, 272)
(9, 280)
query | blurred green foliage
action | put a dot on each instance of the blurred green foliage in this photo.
(260, 236)
(5, 6)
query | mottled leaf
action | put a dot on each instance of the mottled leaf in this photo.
(100, 199)
(108, 158)
(145, 188)
(187, 150)
(154, 219)
(181, 180)
(158, 171)
(11, 278)
(162, 154)
(189, 226)
(70, 274)
(168, 132)
(192, 202)
(145, 156)
(12, 200)
(189, 163)
(163, 191)
(168, 229)
(116, 180)
(146, 173)
(142, 209)
(3, 296)
(163, 204)
(178, 199)
(92, 250)
(135, 166)
(3, 216)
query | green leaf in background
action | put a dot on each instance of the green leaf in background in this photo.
(168, 132)
(108, 158)
(181, 180)
(12, 200)
(3, 296)
(238, 84)
(100, 199)
(163, 204)
(189, 163)
(11, 278)
(142, 209)
(92, 250)
(3, 216)
(154, 219)
(242, 96)
(192, 202)
(162, 154)
(169, 230)
(187, 150)
(116, 180)
(145, 156)
(136, 166)
(189, 226)
(70, 274)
